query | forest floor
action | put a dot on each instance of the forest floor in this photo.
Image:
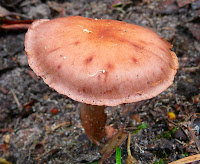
(31, 131)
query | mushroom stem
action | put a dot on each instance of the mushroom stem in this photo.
(93, 121)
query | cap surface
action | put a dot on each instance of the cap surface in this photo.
(100, 62)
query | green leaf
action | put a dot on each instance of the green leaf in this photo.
(174, 130)
(140, 127)
(118, 155)
(143, 126)
(185, 154)
(168, 134)
(161, 161)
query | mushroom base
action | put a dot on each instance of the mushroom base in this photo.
(93, 121)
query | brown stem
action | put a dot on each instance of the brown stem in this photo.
(93, 121)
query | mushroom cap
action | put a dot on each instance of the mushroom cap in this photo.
(100, 62)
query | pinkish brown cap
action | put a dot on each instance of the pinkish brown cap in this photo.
(100, 62)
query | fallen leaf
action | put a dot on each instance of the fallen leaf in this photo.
(136, 117)
(27, 109)
(196, 99)
(7, 138)
(4, 161)
(109, 148)
(110, 131)
(189, 159)
(3, 147)
(30, 103)
(4, 130)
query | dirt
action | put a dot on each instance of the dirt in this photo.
(30, 132)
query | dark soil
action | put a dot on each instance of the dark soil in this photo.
(28, 132)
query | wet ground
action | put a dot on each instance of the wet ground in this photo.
(38, 125)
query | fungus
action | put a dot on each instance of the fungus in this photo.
(100, 62)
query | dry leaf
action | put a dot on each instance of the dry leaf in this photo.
(136, 117)
(189, 159)
(109, 148)
(4, 161)
(110, 131)
(7, 138)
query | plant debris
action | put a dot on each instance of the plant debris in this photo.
(189, 159)
(109, 148)
(26, 102)
(130, 159)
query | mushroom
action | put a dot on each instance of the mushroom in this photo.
(100, 62)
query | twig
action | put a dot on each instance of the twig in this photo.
(128, 145)
(191, 133)
(182, 143)
(191, 69)
(54, 127)
(130, 159)
(14, 27)
(16, 99)
(189, 159)
(193, 136)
